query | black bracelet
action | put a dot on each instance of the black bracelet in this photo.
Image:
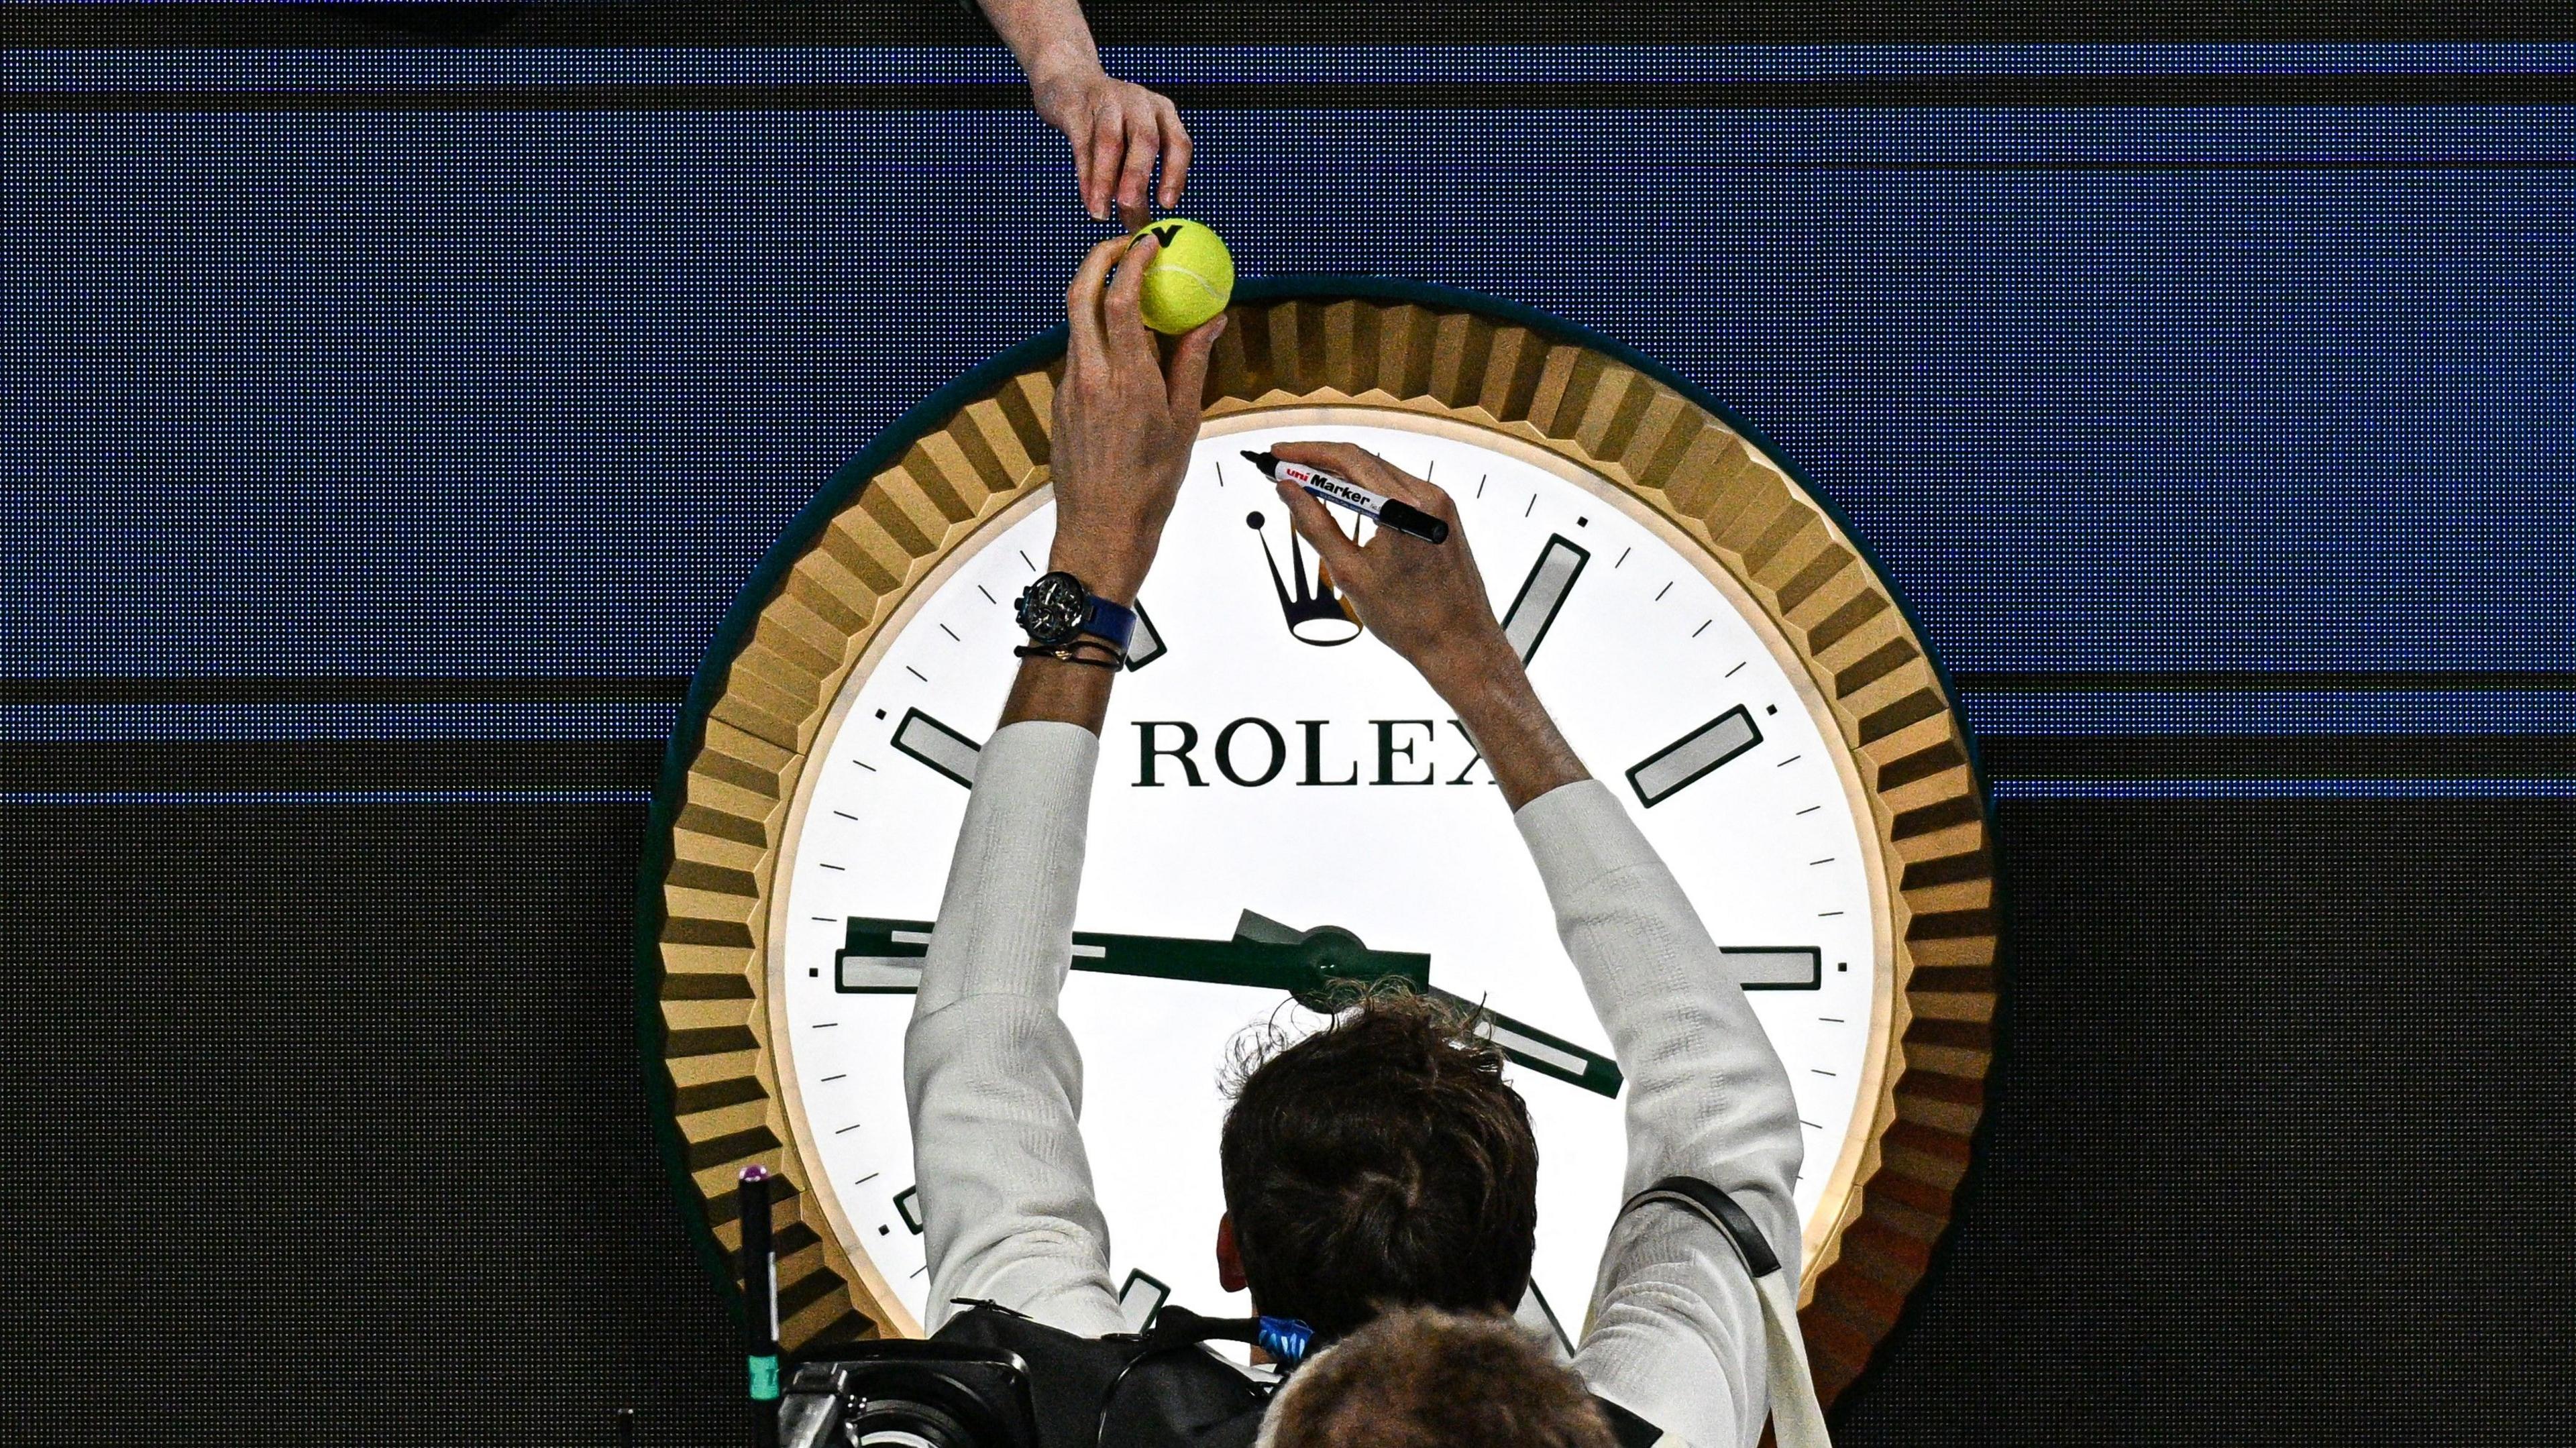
(1064, 653)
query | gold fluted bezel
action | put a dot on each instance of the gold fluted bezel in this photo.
(1591, 410)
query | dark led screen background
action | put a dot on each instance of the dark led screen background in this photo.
(390, 421)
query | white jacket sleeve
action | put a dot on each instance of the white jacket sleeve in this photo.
(1675, 1330)
(991, 1075)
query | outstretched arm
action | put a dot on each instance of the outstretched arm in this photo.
(1116, 128)
(1675, 1330)
(991, 1076)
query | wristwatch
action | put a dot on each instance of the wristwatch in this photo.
(1058, 608)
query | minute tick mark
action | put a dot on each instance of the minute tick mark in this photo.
(1739, 668)
(1659, 594)
(1024, 558)
(916, 673)
(1533, 502)
(1703, 628)
(952, 633)
(988, 595)
(1623, 556)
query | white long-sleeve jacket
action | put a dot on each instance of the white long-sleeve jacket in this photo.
(994, 1083)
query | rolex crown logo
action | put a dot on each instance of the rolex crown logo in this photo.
(1316, 613)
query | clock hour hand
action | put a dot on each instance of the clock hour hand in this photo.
(884, 956)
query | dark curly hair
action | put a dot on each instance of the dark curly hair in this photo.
(1380, 1162)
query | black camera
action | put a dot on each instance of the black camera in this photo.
(909, 1395)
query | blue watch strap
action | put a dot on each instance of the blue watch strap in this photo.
(1107, 620)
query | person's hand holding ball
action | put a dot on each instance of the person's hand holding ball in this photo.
(1189, 275)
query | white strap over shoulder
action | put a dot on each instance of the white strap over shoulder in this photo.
(1797, 1419)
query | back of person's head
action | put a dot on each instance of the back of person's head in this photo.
(1381, 1161)
(1418, 1378)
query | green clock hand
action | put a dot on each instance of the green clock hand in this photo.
(885, 956)
(1316, 966)
(1548, 1055)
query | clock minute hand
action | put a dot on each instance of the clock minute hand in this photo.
(1548, 1055)
(884, 956)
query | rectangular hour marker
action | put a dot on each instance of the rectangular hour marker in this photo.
(1664, 773)
(907, 1205)
(937, 745)
(1550, 579)
(1142, 1297)
(876, 974)
(1775, 967)
(884, 958)
(1146, 644)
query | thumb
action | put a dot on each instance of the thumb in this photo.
(1190, 367)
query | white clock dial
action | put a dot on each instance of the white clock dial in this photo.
(1262, 759)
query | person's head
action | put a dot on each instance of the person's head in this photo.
(1380, 1161)
(1418, 1378)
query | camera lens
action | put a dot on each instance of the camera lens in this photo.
(896, 1423)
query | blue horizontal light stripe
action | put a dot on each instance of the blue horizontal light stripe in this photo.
(2001, 715)
(329, 70)
(231, 797)
(2006, 790)
(2267, 712)
(316, 723)
(2233, 420)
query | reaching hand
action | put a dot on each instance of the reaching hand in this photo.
(1123, 430)
(1426, 601)
(1116, 129)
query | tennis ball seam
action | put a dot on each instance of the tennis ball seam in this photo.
(1168, 268)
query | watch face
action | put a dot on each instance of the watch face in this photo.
(1280, 762)
(1052, 606)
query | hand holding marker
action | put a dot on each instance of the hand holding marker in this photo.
(1394, 513)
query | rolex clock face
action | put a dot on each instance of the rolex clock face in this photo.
(1718, 654)
(1266, 755)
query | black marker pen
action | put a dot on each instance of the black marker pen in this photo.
(759, 1302)
(1389, 512)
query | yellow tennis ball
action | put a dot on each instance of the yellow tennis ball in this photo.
(1191, 278)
